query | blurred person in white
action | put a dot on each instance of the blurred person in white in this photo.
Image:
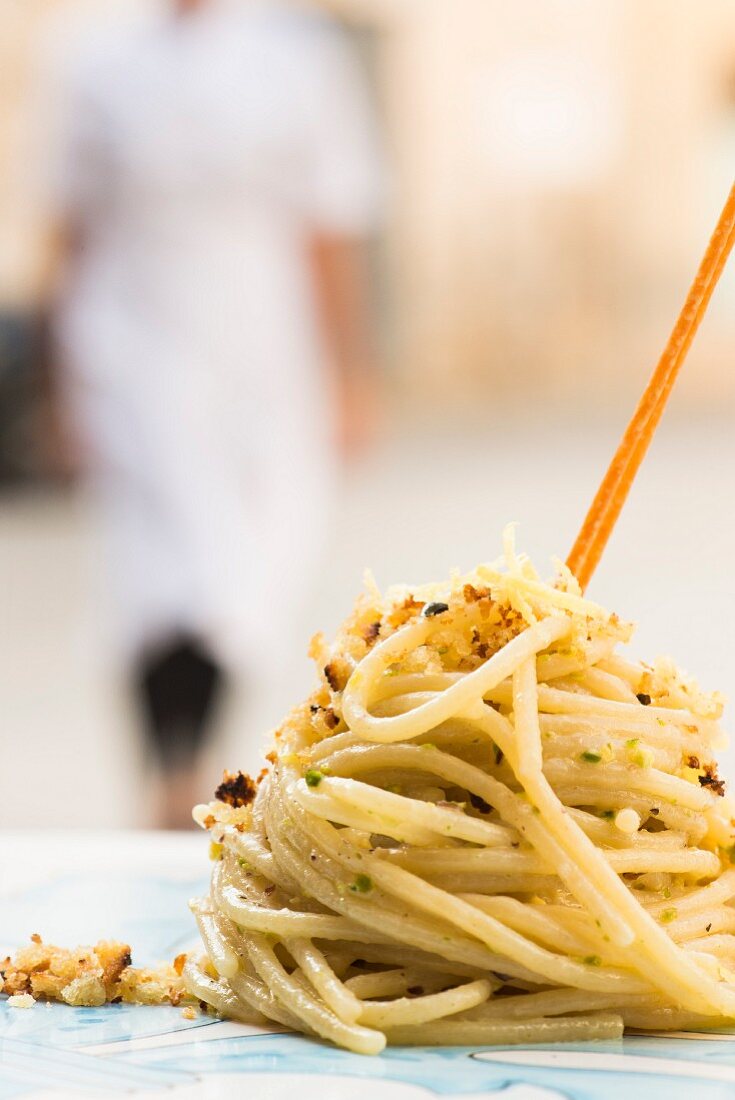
(216, 177)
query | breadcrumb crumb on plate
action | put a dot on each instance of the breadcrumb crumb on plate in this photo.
(89, 976)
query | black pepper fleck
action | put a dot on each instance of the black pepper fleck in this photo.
(436, 608)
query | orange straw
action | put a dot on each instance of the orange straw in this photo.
(611, 495)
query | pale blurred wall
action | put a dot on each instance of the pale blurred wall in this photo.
(561, 165)
(24, 26)
(20, 24)
(558, 165)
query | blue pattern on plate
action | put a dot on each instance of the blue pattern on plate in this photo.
(38, 1046)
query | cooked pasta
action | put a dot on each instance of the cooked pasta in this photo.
(484, 826)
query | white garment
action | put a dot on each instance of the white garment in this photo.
(198, 153)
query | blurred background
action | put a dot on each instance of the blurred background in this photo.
(290, 290)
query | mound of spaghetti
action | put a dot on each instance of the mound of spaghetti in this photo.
(485, 826)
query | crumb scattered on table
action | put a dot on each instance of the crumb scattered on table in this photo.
(90, 976)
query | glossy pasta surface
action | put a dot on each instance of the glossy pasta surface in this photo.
(486, 825)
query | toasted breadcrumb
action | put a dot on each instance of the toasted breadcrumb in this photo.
(479, 617)
(21, 1000)
(236, 788)
(473, 617)
(337, 672)
(89, 976)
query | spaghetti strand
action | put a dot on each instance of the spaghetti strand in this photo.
(483, 826)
